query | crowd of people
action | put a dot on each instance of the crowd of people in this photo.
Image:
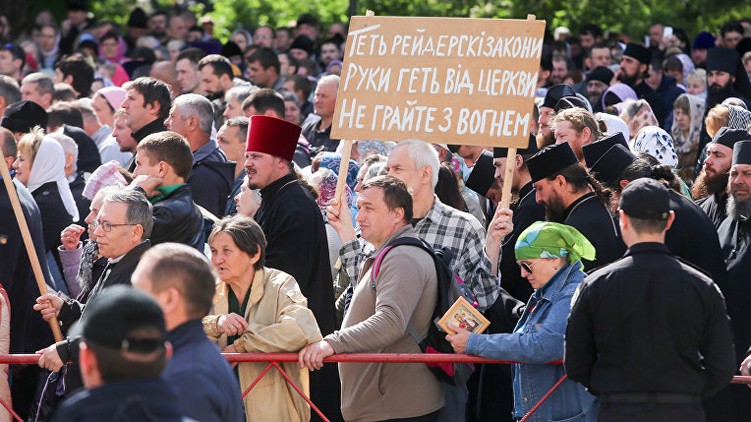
(180, 194)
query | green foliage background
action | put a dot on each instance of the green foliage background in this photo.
(628, 16)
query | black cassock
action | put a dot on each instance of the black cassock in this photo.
(693, 238)
(296, 236)
(734, 403)
(588, 215)
(714, 207)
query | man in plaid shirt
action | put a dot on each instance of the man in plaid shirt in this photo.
(442, 227)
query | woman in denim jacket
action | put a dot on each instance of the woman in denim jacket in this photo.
(549, 255)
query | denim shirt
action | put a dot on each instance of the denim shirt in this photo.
(536, 340)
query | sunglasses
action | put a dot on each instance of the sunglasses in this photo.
(527, 267)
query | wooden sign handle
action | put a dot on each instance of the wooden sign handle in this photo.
(343, 170)
(508, 178)
(344, 166)
(30, 250)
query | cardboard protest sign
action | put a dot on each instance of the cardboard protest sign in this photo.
(444, 80)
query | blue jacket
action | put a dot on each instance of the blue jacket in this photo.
(146, 399)
(536, 340)
(211, 178)
(208, 390)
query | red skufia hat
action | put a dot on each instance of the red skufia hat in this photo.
(273, 136)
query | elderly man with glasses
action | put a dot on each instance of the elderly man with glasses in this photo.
(122, 227)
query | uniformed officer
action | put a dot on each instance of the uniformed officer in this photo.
(649, 333)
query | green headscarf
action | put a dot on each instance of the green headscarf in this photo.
(544, 239)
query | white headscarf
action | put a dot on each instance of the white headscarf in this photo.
(614, 124)
(49, 166)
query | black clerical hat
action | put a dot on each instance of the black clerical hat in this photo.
(550, 160)
(501, 152)
(742, 152)
(609, 167)
(638, 52)
(728, 137)
(555, 93)
(595, 150)
(483, 174)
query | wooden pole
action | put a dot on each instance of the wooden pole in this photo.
(344, 166)
(508, 176)
(343, 170)
(30, 250)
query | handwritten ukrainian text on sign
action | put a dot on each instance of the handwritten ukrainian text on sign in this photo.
(445, 80)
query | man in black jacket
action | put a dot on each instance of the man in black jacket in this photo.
(162, 166)
(649, 334)
(147, 103)
(123, 226)
(123, 351)
(211, 176)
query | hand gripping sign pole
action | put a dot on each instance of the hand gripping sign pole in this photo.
(24, 228)
(510, 165)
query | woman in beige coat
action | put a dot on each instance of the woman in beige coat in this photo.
(259, 310)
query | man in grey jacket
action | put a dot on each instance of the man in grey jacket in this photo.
(405, 292)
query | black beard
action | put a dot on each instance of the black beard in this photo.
(628, 80)
(214, 95)
(738, 209)
(555, 211)
(705, 185)
(716, 94)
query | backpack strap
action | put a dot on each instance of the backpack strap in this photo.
(415, 335)
(375, 269)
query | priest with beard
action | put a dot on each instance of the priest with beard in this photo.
(726, 78)
(710, 188)
(735, 238)
(634, 65)
(571, 196)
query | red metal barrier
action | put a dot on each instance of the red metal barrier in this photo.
(274, 358)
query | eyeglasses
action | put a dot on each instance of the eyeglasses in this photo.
(527, 267)
(107, 226)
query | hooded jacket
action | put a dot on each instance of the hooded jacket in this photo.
(211, 178)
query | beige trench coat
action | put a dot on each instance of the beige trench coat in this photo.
(278, 321)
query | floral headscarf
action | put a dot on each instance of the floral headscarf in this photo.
(325, 180)
(644, 117)
(367, 147)
(687, 147)
(332, 160)
(657, 143)
(544, 239)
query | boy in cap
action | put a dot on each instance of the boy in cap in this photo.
(648, 333)
(123, 350)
